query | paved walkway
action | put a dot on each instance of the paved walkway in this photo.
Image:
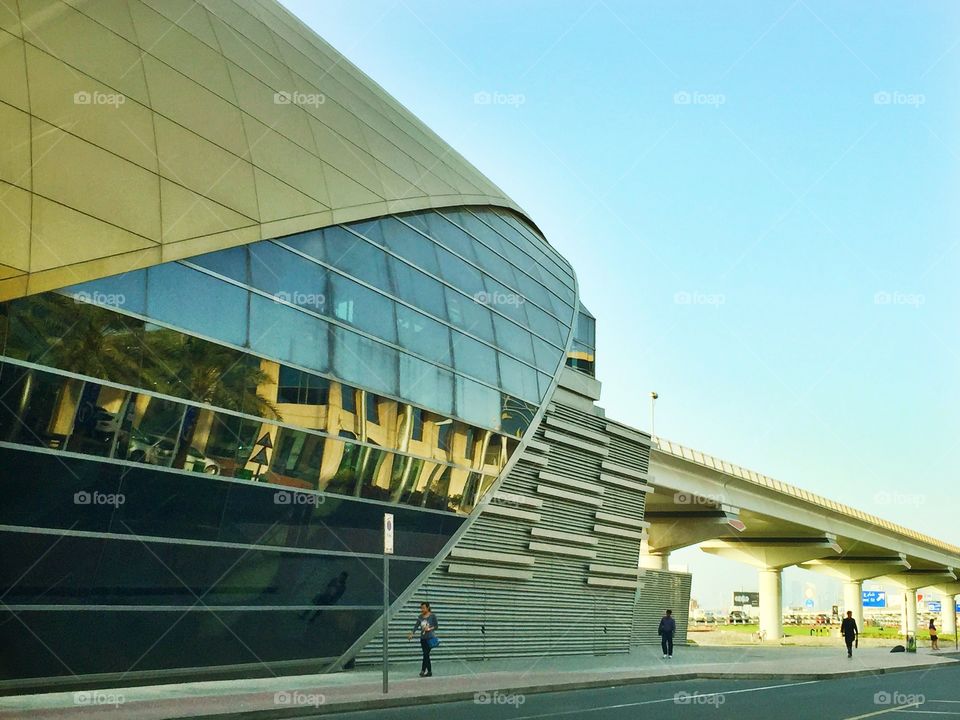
(454, 680)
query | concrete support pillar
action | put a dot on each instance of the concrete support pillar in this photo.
(910, 611)
(853, 601)
(655, 561)
(771, 604)
(948, 615)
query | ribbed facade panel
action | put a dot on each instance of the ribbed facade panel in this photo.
(580, 593)
(661, 590)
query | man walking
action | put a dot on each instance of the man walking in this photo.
(850, 632)
(668, 626)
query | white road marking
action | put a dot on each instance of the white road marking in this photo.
(664, 700)
(899, 708)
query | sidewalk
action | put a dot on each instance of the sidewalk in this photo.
(454, 680)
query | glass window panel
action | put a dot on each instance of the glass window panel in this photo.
(458, 273)
(586, 330)
(516, 415)
(518, 379)
(348, 398)
(231, 263)
(558, 264)
(445, 233)
(409, 244)
(497, 266)
(505, 300)
(513, 339)
(302, 388)
(543, 382)
(474, 358)
(547, 326)
(362, 307)
(469, 315)
(561, 309)
(423, 335)
(38, 408)
(356, 257)
(469, 222)
(172, 292)
(288, 277)
(364, 362)
(534, 290)
(309, 243)
(476, 403)
(370, 229)
(231, 442)
(127, 292)
(287, 334)
(426, 384)
(547, 356)
(297, 459)
(417, 288)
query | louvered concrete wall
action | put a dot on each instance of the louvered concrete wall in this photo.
(550, 568)
(658, 591)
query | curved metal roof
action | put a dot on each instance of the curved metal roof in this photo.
(140, 131)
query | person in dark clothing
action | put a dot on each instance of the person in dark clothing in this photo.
(850, 632)
(427, 624)
(934, 640)
(668, 626)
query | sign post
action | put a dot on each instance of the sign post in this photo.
(387, 552)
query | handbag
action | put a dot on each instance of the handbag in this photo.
(433, 641)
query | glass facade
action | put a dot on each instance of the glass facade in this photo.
(583, 349)
(396, 359)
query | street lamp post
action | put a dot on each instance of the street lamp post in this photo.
(653, 404)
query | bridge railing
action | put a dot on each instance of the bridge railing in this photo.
(701, 458)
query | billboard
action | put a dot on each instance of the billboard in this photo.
(746, 598)
(933, 605)
(874, 598)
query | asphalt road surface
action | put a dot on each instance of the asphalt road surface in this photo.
(930, 693)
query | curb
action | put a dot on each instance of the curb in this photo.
(382, 703)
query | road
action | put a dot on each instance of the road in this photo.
(931, 693)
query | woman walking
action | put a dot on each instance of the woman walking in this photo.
(427, 624)
(934, 644)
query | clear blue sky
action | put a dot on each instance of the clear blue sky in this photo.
(764, 240)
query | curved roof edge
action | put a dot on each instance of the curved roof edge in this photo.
(140, 132)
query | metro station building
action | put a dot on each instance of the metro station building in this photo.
(249, 304)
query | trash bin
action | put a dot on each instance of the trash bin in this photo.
(911, 642)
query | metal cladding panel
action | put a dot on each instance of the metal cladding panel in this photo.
(658, 591)
(571, 604)
(142, 133)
